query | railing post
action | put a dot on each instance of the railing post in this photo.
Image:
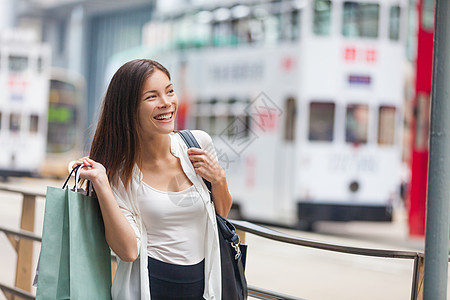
(25, 246)
(438, 189)
(8, 295)
(417, 283)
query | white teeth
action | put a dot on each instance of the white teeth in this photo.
(164, 117)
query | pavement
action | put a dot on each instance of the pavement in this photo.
(264, 256)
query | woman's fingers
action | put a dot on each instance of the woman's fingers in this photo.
(90, 169)
(194, 152)
(204, 164)
(197, 158)
(85, 161)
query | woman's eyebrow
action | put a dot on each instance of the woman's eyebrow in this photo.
(154, 91)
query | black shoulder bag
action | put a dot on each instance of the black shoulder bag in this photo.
(232, 253)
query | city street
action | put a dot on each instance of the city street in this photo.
(305, 110)
(298, 271)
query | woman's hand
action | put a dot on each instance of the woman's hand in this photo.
(118, 232)
(91, 170)
(206, 165)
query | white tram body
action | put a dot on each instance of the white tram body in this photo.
(307, 122)
(24, 80)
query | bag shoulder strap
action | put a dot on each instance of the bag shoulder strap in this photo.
(191, 142)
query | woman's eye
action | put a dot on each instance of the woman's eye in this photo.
(171, 91)
(151, 97)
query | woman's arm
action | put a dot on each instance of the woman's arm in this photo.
(207, 167)
(118, 232)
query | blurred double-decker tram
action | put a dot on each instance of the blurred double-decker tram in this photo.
(24, 80)
(304, 100)
(42, 109)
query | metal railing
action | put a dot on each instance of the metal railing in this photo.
(418, 257)
(22, 241)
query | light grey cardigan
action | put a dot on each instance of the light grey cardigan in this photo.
(131, 280)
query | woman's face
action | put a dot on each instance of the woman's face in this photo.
(158, 104)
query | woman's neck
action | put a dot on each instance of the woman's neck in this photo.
(155, 148)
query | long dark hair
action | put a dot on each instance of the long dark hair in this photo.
(116, 144)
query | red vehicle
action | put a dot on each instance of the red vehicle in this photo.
(420, 123)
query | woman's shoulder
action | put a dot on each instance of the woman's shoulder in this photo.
(203, 138)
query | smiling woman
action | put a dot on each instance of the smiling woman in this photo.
(142, 172)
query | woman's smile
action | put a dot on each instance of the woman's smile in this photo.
(165, 117)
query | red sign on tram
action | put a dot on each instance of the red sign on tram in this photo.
(353, 54)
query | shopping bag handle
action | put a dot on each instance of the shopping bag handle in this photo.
(77, 169)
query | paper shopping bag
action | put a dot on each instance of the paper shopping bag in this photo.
(75, 260)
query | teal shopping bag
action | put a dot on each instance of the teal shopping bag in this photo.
(75, 260)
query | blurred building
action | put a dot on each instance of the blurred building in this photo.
(83, 34)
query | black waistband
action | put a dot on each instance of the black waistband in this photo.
(176, 273)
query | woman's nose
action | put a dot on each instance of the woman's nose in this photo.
(165, 101)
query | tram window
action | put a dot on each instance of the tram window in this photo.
(203, 113)
(202, 123)
(258, 24)
(279, 19)
(295, 25)
(356, 123)
(234, 122)
(40, 65)
(322, 17)
(221, 112)
(321, 121)
(14, 122)
(232, 119)
(428, 15)
(241, 24)
(18, 63)
(256, 31)
(289, 25)
(185, 33)
(241, 32)
(422, 121)
(201, 34)
(272, 32)
(238, 126)
(62, 116)
(247, 120)
(291, 116)
(34, 123)
(222, 34)
(198, 121)
(386, 125)
(394, 23)
(278, 27)
(212, 125)
(62, 39)
(360, 19)
(221, 124)
(212, 121)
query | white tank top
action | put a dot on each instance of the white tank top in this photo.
(175, 223)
